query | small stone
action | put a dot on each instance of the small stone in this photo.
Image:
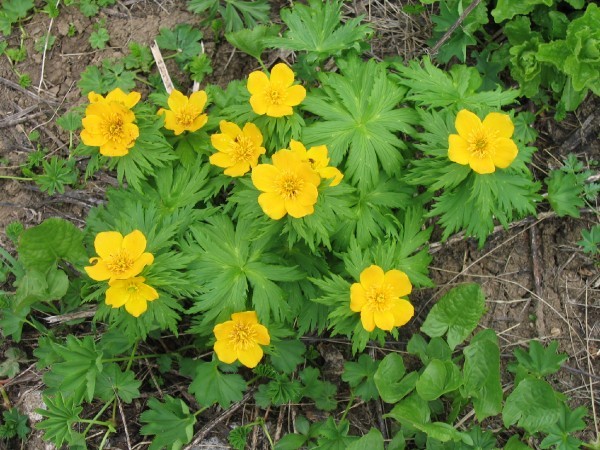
(555, 332)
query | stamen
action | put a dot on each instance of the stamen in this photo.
(185, 117)
(379, 298)
(275, 95)
(289, 185)
(119, 263)
(242, 336)
(242, 149)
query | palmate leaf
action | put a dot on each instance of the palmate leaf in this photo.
(61, 414)
(359, 121)
(360, 376)
(322, 392)
(170, 422)
(317, 28)
(533, 405)
(211, 386)
(560, 434)
(112, 381)
(540, 361)
(184, 39)
(237, 14)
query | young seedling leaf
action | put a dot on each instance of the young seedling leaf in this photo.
(170, 422)
(391, 379)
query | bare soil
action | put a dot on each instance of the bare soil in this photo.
(537, 281)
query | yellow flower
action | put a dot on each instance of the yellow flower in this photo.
(119, 257)
(238, 149)
(483, 145)
(185, 114)
(318, 159)
(240, 339)
(108, 122)
(377, 298)
(275, 96)
(132, 293)
(289, 186)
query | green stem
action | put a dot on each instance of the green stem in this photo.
(350, 402)
(104, 439)
(133, 350)
(266, 431)
(200, 411)
(106, 405)
(97, 422)
(262, 64)
(5, 398)
(128, 358)
(10, 177)
(141, 80)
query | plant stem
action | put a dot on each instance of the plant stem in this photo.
(130, 362)
(127, 358)
(106, 405)
(200, 411)
(5, 398)
(266, 431)
(350, 402)
(10, 177)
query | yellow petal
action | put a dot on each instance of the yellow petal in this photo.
(297, 209)
(94, 98)
(221, 159)
(402, 311)
(281, 74)
(108, 242)
(299, 148)
(286, 159)
(272, 205)
(117, 294)
(259, 104)
(319, 155)
(132, 99)
(222, 142)
(466, 122)
(458, 151)
(505, 152)
(134, 243)
(237, 169)
(198, 123)
(230, 129)
(367, 319)
(138, 265)
(253, 133)
(357, 297)
(308, 195)
(306, 172)
(245, 317)
(263, 177)
(501, 123)
(399, 281)
(98, 271)
(136, 306)
(93, 123)
(372, 276)
(147, 292)
(198, 100)
(333, 174)
(262, 334)
(98, 109)
(279, 110)
(113, 148)
(482, 165)
(384, 320)
(170, 120)
(225, 352)
(92, 139)
(251, 356)
(223, 330)
(295, 95)
(177, 100)
(257, 82)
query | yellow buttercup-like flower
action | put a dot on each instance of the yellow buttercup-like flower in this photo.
(238, 150)
(319, 160)
(240, 339)
(109, 122)
(133, 293)
(276, 95)
(118, 257)
(185, 113)
(289, 186)
(377, 298)
(483, 145)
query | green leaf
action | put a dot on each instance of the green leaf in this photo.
(456, 313)
(210, 386)
(507, 9)
(565, 193)
(170, 422)
(112, 75)
(112, 381)
(139, 57)
(291, 441)
(199, 67)
(373, 440)
(11, 12)
(183, 39)
(57, 173)
(332, 436)
(317, 28)
(70, 121)
(10, 366)
(15, 424)
(559, 434)
(278, 392)
(540, 361)
(590, 240)
(391, 379)
(360, 376)
(322, 392)
(533, 405)
(481, 374)
(42, 246)
(99, 38)
(252, 42)
(360, 121)
(412, 409)
(515, 443)
(61, 414)
(438, 378)
(286, 355)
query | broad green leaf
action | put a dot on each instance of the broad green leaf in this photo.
(391, 379)
(515, 443)
(540, 361)
(373, 440)
(278, 392)
(170, 422)
(15, 424)
(210, 386)
(360, 376)
(286, 355)
(412, 409)
(291, 441)
(507, 9)
(532, 405)
(322, 392)
(332, 436)
(560, 434)
(9, 367)
(457, 313)
(60, 415)
(112, 381)
(184, 39)
(42, 246)
(438, 378)
(252, 41)
(481, 374)
(565, 193)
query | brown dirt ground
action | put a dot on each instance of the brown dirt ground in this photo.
(538, 283)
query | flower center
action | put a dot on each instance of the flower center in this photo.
(243, 149)
(132, 288)
(242, 336)
(379, 298)
(275, 95)
(185, 117)
(119, 263)
(480, 142)
(113, 128)
(289, 185)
